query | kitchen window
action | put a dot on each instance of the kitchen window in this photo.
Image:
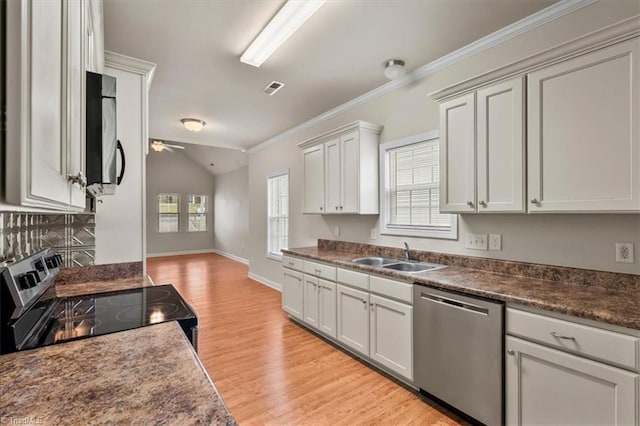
(168, 212)
(197, 213)
(411, 189)
(278, 214)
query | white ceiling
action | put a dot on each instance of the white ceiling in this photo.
(335, 56)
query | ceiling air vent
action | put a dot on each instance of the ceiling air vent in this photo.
(273, 87)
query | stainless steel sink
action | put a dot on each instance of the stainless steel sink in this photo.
(375, 261)
(413, 267)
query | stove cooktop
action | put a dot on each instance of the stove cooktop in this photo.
(94, 315)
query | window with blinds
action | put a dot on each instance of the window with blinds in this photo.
(278, 214)
(412, 179)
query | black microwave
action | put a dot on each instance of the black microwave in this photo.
(102, 144)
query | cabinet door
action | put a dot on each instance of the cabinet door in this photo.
(500, 140)
(353, 319)
(457, 155)
(350, 173)
(47, 171)
(313, 196)
(548, 387)
(311, 300)
(583, 137)
(293, 294)
(392, 335)
(327, 307)
(75, 123)
(332, 174)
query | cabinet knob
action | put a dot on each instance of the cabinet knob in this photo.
(320, 208)
(535, 201)
(511, 352)
(336, 207)
(80, 179)
(482, 203)
(470, 203)
(364, 302)
(340, 207)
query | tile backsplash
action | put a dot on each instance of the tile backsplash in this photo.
(71, 235)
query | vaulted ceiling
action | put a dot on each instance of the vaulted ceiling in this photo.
(335, 56)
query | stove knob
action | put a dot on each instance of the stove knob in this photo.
(39, 265)
(59, 260)
(32, 278)
(50, 261)
(22, 282)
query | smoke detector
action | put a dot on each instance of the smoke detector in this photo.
(273, 87)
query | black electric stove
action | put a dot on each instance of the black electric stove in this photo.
(33, 317)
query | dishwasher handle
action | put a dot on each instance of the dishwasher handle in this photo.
(455, 303)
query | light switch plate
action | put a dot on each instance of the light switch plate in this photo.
(374, 234)
(476, 241)
(336, 231)
(495, 242)
(624, 253)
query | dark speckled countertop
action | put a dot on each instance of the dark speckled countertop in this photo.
(614, 304)
(149, 375)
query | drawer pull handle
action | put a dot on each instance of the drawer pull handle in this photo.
(560, 336)
(290, 263)
(318, 271)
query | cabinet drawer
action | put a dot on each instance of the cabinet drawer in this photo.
(396, 289)
(608, 346)
(353, 278)
(293, 263)
(320, 270)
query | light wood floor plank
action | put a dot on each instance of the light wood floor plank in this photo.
(271, 371)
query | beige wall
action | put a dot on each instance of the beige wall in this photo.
(231, 212)
(176, 173)
(585, 241)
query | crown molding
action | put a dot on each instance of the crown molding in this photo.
(356, 125)
(131, 64)
(522, 26)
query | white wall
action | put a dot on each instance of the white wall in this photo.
(231, 212)
(119, 218)
(584, 241)
(177, 173)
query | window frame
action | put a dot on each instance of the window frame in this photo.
(205, 214)
(177, 214)
(275, 174)
(409, 230)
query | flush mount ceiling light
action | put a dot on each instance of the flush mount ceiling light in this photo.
(193, 124)
(289, 18)
(394, 68)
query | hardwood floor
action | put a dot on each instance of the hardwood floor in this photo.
(271, 371)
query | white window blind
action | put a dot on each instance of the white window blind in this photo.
(411, 170)
(278, 214)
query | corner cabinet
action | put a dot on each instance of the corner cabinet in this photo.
(46, 59)
(341, 170)
(482, 150)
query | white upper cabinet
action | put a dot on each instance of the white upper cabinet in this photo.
(583, 137)
(341, 170)
(313, 196)
(482, 158)
(457, 155)
(46, 42)
(500, 147)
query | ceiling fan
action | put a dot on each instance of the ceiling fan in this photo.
(160, 146)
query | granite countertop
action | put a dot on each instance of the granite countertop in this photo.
(613, 305)
(149, 375)
(103, 286)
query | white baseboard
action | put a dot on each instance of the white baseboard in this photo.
(262, 280)
(179, 253)
(232, 256)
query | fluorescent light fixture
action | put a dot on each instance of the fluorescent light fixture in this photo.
(289, 18)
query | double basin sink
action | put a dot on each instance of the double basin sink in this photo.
(406, 266)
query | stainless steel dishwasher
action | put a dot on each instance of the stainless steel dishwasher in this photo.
(458, 351)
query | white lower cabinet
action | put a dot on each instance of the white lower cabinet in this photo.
(327, 307)
(545, 386)
(353, 319)
(293, 293)
(311, 300)
(391, 332)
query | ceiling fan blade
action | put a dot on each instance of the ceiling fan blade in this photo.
(168, 149)
(174, 146)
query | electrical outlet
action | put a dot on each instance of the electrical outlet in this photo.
(476, 241)
(624, 252)
(374, 234)
(336, 231)
(495, 242)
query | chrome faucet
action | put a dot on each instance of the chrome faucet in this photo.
(407, 254)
